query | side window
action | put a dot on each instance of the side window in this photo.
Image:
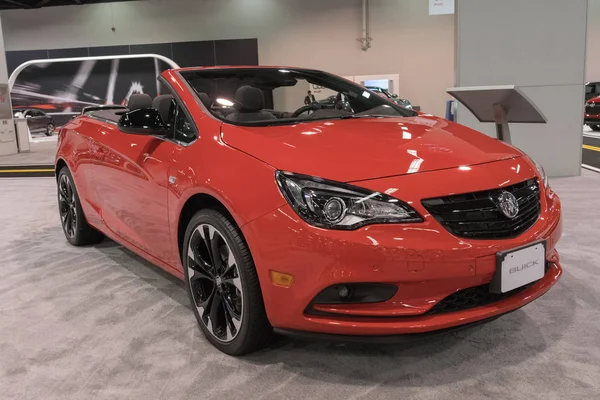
(184, 129)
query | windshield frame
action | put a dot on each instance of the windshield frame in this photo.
(188, 75)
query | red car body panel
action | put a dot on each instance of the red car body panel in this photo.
(126, 192)
(397, 144)
(423, 260)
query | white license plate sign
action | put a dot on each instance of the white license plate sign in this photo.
(518, 267)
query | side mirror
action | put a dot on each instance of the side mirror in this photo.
(145, 121)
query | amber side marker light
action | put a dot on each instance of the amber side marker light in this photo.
(281, 279)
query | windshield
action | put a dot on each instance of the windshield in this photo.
(271, 96)
(589, 89)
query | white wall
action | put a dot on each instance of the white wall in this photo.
(310, 33)
(540, 46)
(593, 42)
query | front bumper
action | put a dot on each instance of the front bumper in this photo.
(423, 260)
(591, 119)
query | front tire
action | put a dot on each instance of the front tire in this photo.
(75, 227)
(223, 285)
(595, 128)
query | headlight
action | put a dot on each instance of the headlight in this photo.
(334, 205)
(542, 172)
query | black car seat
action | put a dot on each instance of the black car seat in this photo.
(249, 104)
(165, 105)
(139, 101)
(205, 100)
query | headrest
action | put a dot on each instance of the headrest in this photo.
(205, 100)
(248, 99)
(139, 101)
(164, 105)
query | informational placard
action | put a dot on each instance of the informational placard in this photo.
(440, 7)
(7, 128)
(5, 107)
(7, 131)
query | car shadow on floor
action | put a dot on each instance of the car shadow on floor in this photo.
(168, 284)
(469, 353)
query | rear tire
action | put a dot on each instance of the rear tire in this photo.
(75, 227)
(50, 130)
(223, 285)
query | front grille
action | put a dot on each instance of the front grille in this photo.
(472, 297)
(593, 110)
(476, 216)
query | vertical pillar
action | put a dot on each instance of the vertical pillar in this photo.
(538, 45)
(8, 141)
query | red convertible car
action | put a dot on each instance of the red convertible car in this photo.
(360, 221)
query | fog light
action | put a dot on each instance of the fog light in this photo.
(344, 292)
(355, 293)
(281, 279)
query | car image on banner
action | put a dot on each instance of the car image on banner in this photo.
(37, 120)
(64, 89)
(352, 219)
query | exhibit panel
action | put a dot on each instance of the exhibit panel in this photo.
(8, 140)
(59, 91)
(496, 47)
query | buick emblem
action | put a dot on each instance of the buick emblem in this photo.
(507, 203)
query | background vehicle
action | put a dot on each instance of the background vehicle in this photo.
(591, 115)
(310, 219)
(393, 97)
(37, 120)
(592, 89)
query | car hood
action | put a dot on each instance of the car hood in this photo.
(359, 149)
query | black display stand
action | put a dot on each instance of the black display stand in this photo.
(500, 105)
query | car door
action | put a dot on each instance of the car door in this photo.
(131, 175)
(31, 122)
(45, 119)
(37, 119)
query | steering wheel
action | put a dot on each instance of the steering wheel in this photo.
(344, 105)
(315, 105)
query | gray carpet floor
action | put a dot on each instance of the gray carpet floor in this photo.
(99, 322)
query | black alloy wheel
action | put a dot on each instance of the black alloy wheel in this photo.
(50, 129)
(67, 206)
(215, 283)
(223, 285)
(77, 231)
